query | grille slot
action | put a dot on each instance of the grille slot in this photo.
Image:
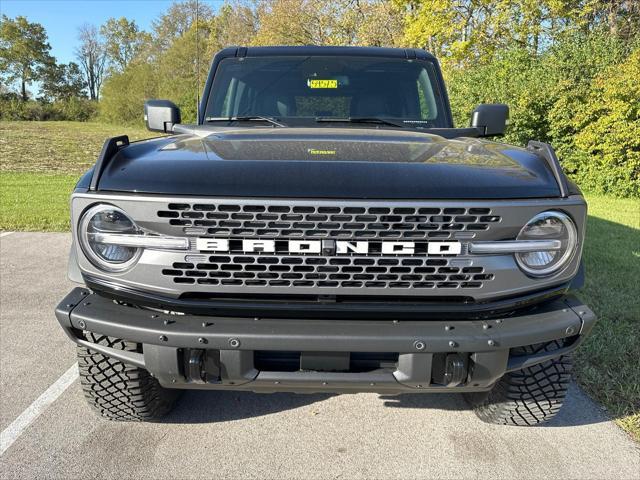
(283, 221)
(328, 272)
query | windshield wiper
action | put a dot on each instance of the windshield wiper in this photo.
(380, 120)
(246, 118)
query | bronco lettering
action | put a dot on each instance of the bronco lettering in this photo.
(316, 246)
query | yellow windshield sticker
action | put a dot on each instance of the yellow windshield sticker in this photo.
(317, 83)
(314, 151)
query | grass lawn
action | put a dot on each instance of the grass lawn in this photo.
(606, 364)
(35, 201)
(57, 147)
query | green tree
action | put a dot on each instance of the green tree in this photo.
(515, 77)
(62, 82)
(378, 23)
(123, 41)
(466, 32)
(609, 130)
(24, 52)
(175, 64)
(339, 22)
(124, 93)
(571, 64)
(293, 22)
(177, 21)
(180, 76)
(234, 24)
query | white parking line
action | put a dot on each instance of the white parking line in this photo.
(5, 234)
(20, 424)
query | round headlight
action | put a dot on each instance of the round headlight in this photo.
(548, 226)
(101, 219)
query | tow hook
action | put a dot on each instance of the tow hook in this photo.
(194, 366)
(202, 366)
(455, 370)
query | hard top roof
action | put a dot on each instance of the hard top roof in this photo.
(314, 50)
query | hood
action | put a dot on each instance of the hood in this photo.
(328, 163)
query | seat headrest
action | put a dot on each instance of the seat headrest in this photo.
(281, 106)
(369, 105)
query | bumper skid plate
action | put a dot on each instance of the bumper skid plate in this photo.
(197, 351)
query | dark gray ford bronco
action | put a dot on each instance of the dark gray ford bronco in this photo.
(325, 228)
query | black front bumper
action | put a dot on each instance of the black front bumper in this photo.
(177, 349)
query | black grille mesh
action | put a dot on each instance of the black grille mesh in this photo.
(315, 271)
(282, 221)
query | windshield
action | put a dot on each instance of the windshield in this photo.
(307, 89)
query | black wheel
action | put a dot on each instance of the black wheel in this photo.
(529, 396)
(119, 391)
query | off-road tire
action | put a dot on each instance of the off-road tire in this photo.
(119, 391)
(529, 396)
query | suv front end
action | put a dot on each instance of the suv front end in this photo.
(308, 316)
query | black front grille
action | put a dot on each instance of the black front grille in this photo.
(328, 272)
(336, 222)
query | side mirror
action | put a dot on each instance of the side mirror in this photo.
(161, 115)
(490, 119)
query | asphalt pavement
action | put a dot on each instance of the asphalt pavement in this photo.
(49, 432)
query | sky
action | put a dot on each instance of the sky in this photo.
(61, 18)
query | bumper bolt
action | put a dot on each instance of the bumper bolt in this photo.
(453, 344)
(419, 345)
(447, 327)
(570, 330)
(154, 316)
(324, 383)
(202, 340)
(485, 326)
(81, 324)
(163, 338)
(491, 343)
(234, 342)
